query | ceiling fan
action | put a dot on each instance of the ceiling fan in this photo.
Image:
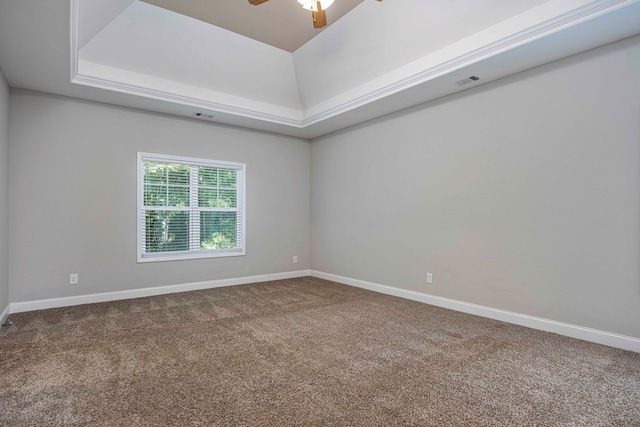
(317, 8)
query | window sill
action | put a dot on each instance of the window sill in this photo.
(188, 256)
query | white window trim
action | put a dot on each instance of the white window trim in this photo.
(195, 254)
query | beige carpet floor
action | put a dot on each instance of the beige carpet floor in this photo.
(302, 352)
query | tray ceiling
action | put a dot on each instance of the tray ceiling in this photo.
(378, 58)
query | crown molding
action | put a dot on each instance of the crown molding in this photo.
(175, 98)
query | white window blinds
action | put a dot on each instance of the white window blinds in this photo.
(189, 208)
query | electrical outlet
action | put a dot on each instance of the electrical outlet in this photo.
(295, 259)
(73, 279)
(429, 278)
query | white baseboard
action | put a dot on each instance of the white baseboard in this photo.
(19, 307)
(574, 331)
(4, 314)
(566, 329)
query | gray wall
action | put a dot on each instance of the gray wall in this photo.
(522, 194)
(4, 189)
(73, 197)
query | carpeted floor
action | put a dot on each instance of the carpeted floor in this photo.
(302, 352)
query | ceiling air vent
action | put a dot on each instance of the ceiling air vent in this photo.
(200, 115)
(467, 80)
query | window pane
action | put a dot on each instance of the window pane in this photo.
(178, 174)
(217, 187)
(227, 199)
(207, 176)
(218, 230)
(208, 198)
(155, 172)
(178, 196)
(228, 178)
(155, 195)
(166, 231)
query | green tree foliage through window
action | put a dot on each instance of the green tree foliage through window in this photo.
(166, 185)
(217, 188)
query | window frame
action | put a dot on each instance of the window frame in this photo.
(144, 257)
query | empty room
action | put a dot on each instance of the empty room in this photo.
(320, 213)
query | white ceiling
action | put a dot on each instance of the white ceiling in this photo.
(378, 58)
(279, 23)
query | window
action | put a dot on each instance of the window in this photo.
(189, 208)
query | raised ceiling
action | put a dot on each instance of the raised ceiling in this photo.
(376, 59)
(279, 23)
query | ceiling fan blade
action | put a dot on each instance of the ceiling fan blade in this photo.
(257, 2)
(319, 17)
